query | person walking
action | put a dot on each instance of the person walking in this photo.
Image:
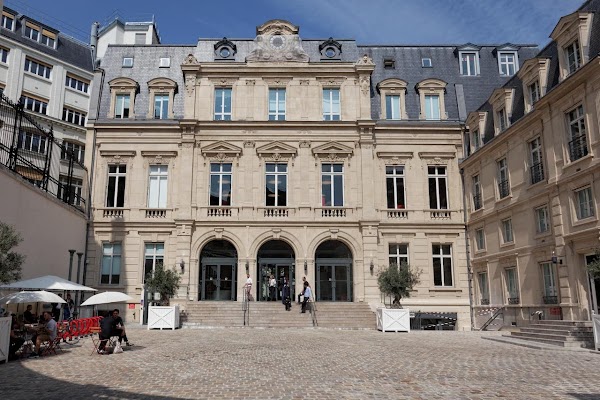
(285, 295)
(248, 287)
(273, 289)
(68, 308)
(306, 293)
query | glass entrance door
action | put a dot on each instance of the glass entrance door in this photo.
(280, 269)
(218, 279)
(334, 281)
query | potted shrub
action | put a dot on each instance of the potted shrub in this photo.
(395, 282)
(166, 283)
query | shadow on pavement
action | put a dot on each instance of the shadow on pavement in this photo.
(585, 396)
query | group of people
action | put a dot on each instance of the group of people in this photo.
(286, 298)
(110, 326)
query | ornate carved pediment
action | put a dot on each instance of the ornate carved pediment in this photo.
(123, 83)
(223, 82)
(190, 59)
(365, 60)
(221, 147)
(276, 151)
(394, 157)
(277, 41)
(118, 156)
(158, 157)
(162, 83)
(332, 151)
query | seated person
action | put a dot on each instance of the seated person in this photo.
(46, 333)
(107, 327)
(119, 328)
(16, 341)
(28, 316)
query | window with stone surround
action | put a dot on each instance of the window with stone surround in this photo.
(220, 184)
(122, 98)
(223, 104)
(442, 264)
(394, 178)
(110, 270)
(115, 189)
(398, 254)
(432, 102)
(162, 95)
(154, 257)
(393, 99)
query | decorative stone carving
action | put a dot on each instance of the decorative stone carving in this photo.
(250, 82)
(249, 144)
(365, 60)
(277, 41)
(190, 59)
(365, 85)
(190, 82)
(304, 144)
(304, 82)
(276, 151)
(223, 82)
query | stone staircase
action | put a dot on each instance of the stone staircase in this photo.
(558, 333)
(209, 314)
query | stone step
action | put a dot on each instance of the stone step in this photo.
(566, 332)
(560, 343)
(534, 335)
(564, 322)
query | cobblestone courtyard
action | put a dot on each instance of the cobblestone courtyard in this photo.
(309, 364)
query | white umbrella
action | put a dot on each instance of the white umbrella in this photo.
(107, 297)
(39, 296)
(48, 282)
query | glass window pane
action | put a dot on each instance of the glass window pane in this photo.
(226, 201)
(281, 190)
(326, 191)
(432, 194)
(338, 188)
(391, 201)
(447, 272)
(437, 272)
(214, 190)
(162, 200)
(153, 192)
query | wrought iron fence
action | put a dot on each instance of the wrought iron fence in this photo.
(537, 173)
(578, 147)
(32, 151)
(503, 188)
(477, 201)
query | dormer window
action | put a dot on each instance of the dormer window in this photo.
(426, 62)
(469, 64)
(49, 38)
(573, 57)
(389, 63)
(8, 21)
(32, 31)
(431, 95)
(533, 75)
(502, 103)
(507, 62)
(476, 124)
(122, 98)
(330, 50)
(393, 93)
(534, 92)
(127, 62)
(501, 118)
(225, 50)
(164, 62)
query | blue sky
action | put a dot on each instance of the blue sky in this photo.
(367, 21)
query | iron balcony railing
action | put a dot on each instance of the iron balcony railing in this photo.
(484, 302)
(578, 147)
(503, 188)
(477, 201)
(537, 173)
(550, 299)
(514, 300)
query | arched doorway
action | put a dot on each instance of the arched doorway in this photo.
(218, 271)
(333, 280)
(276, 258)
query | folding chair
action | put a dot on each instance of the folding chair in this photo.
(95, 332)
(51, 346)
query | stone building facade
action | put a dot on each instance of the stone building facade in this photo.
(287, 157)
(531, 181)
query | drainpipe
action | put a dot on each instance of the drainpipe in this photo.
(71, 253)
(468, 252)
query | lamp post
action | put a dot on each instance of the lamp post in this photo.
(78, 293)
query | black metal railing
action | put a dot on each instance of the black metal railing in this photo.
(550, 299)
(514, 300)
(495, 314)
(477, 201)
(246, 307)
(32, 152)
(537, 172)
(484, 302)
(578, 147)
(503, 188)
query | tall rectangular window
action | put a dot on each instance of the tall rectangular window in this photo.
(507, 231)
(8, 21)
(332, 185)
(512, 286)
(276, 184)
(432, 107)
(503, 183)
(331, 104)
(223, 104)
(537, 166)
(72, 196)
(220, 184)
(476, 140)
(76, 149)
(534, 92)
(584, 203)
(573, 57)
(32, 142)
(157, 187)
(4, 54)
(502, 120)
(477, 200)
(154, 256)
(122, 106)
(467, 143)
(161, 106)
(277, 104)
(442, 264)
(480, 239)
(394, 177)
(111, 264)
(115, 193)
(550, 286)
(398, 254)
(542, 219)
(468, 64)
(508, 63)
(392, 107)
(438, 188)
(484, 288)
(578, 146)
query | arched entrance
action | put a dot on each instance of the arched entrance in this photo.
(333, 280)
(276, 258)
(218, 271)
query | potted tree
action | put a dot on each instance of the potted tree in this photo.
(395, 282)
(165, 283)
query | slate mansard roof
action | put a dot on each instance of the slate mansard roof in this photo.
(549, 52)
(68, 49)
(473, 90)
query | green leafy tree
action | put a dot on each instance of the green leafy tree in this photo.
(397, 282)
(594, 266)
(10, 261)
(165, 282)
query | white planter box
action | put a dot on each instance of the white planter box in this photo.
(4, 337)
(163, 317)
(596, 325)
(393, 319)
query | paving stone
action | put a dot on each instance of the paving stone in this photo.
(241, 363)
